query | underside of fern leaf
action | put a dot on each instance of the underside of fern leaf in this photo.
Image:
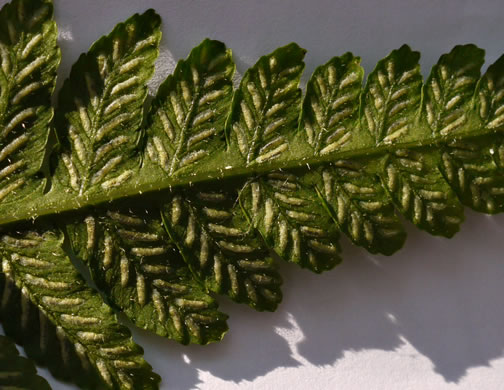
(134, 262)
(196, 192)
(100, 109)
(29, 60)
(221, 249)
(48, 307)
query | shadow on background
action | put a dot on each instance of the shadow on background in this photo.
(442, 296)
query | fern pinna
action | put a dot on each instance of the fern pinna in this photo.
(199, 191)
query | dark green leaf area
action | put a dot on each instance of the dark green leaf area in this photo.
(266, 106)
(133, 261)
(17, 372)
(187, 117)
(361, 207)
(28, 62)
(220, 247)
(101, 108)
(25, 323)
(475, 171)
(329, 118)
(48, 308)
(415, 184)
(449, 90)
(292, 219)
(391, 97)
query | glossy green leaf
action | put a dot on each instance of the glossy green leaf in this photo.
(474, 168)
(449, 90)
(415, 184)
(361, 207)
(187, 117)
(330, 111)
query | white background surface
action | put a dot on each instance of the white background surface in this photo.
(430, 317)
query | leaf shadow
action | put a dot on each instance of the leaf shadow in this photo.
(442, 296)
(250, 349)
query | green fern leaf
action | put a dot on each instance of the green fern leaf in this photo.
(29, 58)
(393, 124)
(266, 106)
(101, 108)
(331, 106)
(134, 262)
(291, 218)
(392, 96)
(360, 206)
(242, 174)
(474, 167)
(414, 182)
(330, 119)
(188, 114)
(449, 90)
(17, 372)
(412, 178)
(61, 321)
(220, 248)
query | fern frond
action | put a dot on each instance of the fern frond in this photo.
(47, 306)
(411, 137)
(243, 175)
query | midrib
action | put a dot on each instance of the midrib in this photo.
(55, 203)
